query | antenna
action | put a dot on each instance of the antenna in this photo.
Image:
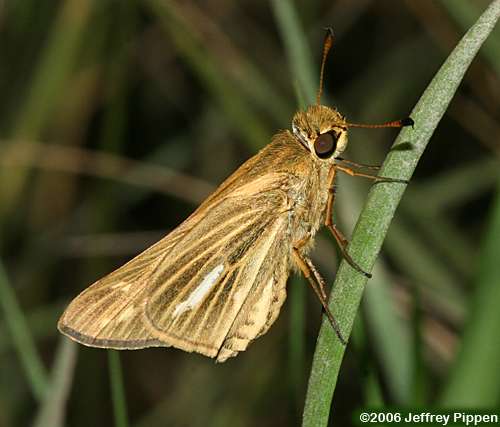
(394, 124)
(327, 44)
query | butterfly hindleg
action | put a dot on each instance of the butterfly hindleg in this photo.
(317, 283)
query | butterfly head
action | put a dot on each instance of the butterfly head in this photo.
(322, 130)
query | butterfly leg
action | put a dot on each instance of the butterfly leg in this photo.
(317, 283)
(319, 279)
(357, 165)
(339, 236)
(376, 178)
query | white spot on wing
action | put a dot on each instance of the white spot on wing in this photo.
(239, 295)
(122, 286)
(126, 314)
(197, 295)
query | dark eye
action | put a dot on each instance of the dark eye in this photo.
(325, 145)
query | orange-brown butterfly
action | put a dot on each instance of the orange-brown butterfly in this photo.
(218, 280)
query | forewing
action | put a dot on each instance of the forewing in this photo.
(201, 284)
(109, 313)
(226, 260)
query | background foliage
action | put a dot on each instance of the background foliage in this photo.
(117, 118)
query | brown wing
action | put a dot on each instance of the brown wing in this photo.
(109, 300)
(211, 286)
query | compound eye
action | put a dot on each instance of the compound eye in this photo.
(325, 145)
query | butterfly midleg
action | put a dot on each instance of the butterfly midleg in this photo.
(317, 283)
(339, 236)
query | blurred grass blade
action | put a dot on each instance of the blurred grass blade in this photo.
(297, 49)
(249, 126)
(253, 83)
(454, 187)
(446, 238)
(378, 211)
(296, 340)
(463, 12)
(20, 333)
(117, 389)
(45, 91)
(388, 329)
(53, 410)
(374, 398)
(473, 381)
(98, 163)
(40, 323)
(55, 64)
(408, 250)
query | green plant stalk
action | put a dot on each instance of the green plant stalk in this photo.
(117, 389)
(378, 211)
(21, 336)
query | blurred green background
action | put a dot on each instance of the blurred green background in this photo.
(118, 118)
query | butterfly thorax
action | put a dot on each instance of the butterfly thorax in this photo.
(307, 189)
